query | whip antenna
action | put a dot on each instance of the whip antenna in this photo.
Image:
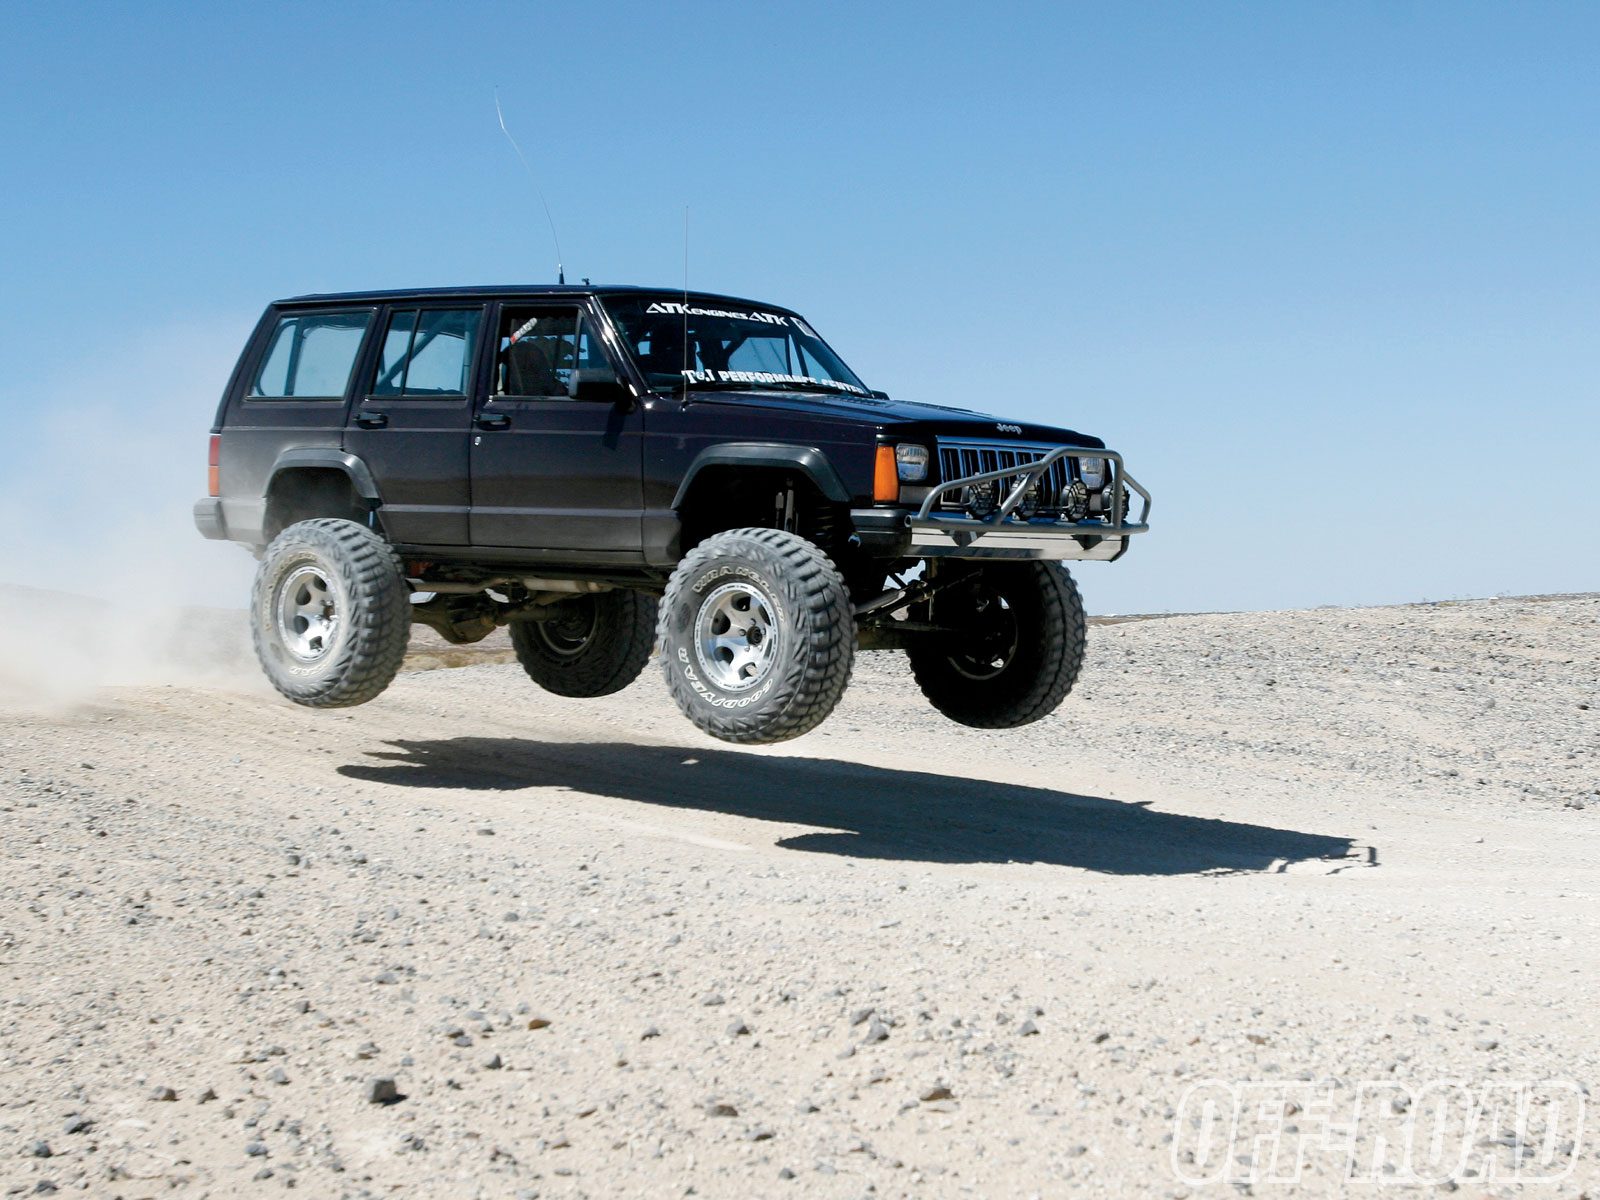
(686, 300)
(561, 274)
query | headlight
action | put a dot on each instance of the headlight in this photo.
(911, 463)
(1091, 470)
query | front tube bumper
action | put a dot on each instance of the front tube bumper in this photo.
(1006, 535)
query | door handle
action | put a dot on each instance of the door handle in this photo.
(493, 421)
(372, 420)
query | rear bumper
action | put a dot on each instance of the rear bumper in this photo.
(208, 519)
(1002, 534)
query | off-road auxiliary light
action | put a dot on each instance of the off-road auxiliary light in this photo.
(1076, 501)
(213, 469)
(981, 498)
(1029, 507)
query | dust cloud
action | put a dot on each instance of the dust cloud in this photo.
(103, 578)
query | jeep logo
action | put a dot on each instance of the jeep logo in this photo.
(1009, 428)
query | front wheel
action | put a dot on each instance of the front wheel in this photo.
(757, 636)
(330, 613)
(1014, 648)
(588, 646)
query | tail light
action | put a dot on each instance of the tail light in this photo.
(213, 475)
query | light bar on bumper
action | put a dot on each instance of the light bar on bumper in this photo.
(1009, 535)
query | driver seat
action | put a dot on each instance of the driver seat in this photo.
(529, 371)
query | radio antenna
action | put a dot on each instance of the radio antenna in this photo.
(561, 273)
(686, 299)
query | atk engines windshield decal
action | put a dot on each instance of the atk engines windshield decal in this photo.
(674, 309)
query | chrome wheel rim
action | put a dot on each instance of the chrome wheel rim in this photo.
(736, 636)
(307, 613)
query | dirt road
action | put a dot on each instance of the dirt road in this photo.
(1320, 861)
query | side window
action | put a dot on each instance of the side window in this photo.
(591, 355)
(538, 347)
(427, 352)
(392, 357)
(311, 355)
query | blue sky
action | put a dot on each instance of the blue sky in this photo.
(1327, 274)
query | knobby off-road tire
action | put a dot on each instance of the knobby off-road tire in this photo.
(1019, 652)
(330, 613)
(590, 646)
(757, 636)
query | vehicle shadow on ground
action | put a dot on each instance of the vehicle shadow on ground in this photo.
(871, 812)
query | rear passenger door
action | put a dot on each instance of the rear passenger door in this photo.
(413, 420)
(551, 472)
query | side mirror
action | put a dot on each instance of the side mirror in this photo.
(596, 384)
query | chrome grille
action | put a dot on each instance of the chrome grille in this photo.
(958, 459)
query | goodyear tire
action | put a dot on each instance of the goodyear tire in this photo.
(1018, 650)
(757, 636)
(330, 613)
(588, 646)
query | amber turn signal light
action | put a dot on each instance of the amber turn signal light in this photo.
(885, 476)
(213, 475)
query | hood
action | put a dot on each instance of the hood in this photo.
(932, 418)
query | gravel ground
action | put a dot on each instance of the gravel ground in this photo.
(475, 940)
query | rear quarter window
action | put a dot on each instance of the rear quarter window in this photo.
(310, 356)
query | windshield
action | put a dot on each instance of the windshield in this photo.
(743, 348)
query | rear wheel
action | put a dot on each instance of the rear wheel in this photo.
(1015, 650)
(330, 613)
(757, 636)
(589, 645)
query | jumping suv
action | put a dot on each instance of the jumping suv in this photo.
(605, 470)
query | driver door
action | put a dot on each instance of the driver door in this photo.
(551, 472)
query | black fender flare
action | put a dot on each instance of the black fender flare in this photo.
(355, 470)
(806, 460)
